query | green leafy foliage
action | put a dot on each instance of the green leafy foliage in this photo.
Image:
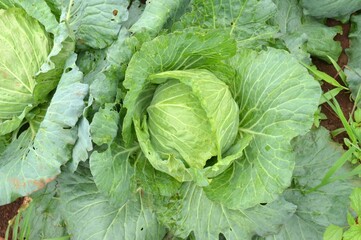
(315, 154)
(52, 144)
(330, 8)
(353, 216)
(172, 120)
(353, 71)
(305, 36)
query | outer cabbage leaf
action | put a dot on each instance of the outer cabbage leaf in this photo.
(315, 154)
(4, 4)
(246, 20)
(354, 56)
(191, 210)
(152, 181)
(304, 35)
(44, 214)
(90, 215)
(156, 14)
(105, 68)
(331, 8)
(28, 163)
(96, 23)
(277, 99)
(82, 146)
(104, 126)
(112, 172)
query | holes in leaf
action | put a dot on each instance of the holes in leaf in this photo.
(263, 204)
(210, 162)
(68, 69)
(22, 129)
(221, 237)
(142, 229)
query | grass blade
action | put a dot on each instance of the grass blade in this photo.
(340, 72)
(327, 78)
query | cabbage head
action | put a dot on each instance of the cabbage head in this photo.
(193, 118)
(25, 46)
(186, 121)
(34, 48)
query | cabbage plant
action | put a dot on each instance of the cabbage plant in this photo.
(181, 119)
(210, 118)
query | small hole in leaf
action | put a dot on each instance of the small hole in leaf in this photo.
(22, 129)
(263, 204)
(141, 229)
(210, 162)
(68, 70)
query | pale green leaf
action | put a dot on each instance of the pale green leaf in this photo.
(152, 181)
(356, 201)
(96, 23)
(82, 146)
(104, 126)
(156, 14)
(331, 8)
(305, 36)
(135, 9)
(17, 82)
(105, 68)
(333, 232)
(112, 172)
(315, 154)
(192, 211)
(353, 69)
(46, 219)
(353, 233)
(48, 68)
(27, 163)
(90, 215)
(246, 20)
(277, 99)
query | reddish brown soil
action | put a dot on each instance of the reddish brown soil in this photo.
(7, 212)
(333, 122)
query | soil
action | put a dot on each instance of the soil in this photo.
(332, 122)
(7, 212)
(344, 99)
